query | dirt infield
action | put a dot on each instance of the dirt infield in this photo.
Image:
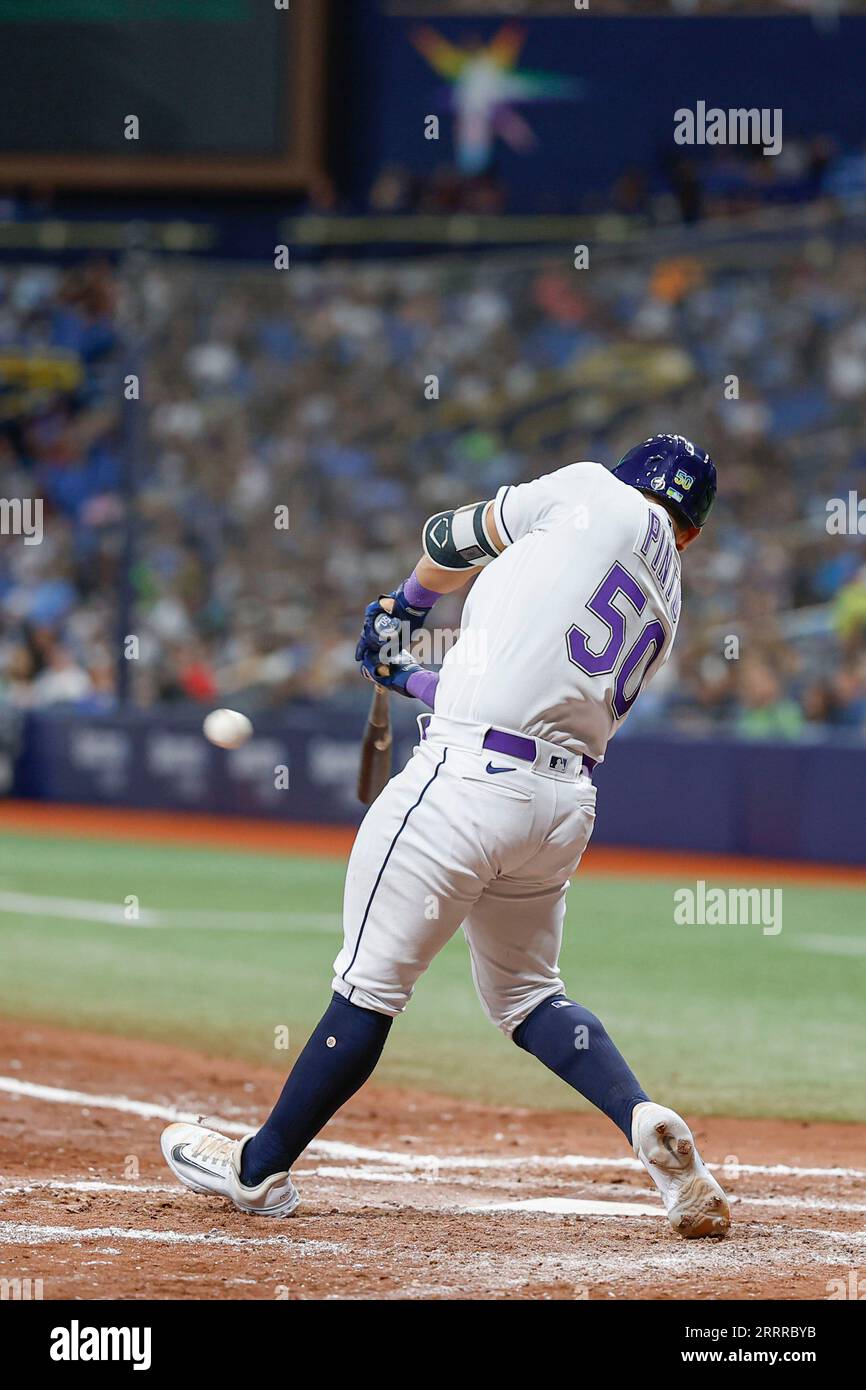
(405, 1195)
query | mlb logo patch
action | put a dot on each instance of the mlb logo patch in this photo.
(683, 479)
(558, 764)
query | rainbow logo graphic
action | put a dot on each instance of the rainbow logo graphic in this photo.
(485, 88)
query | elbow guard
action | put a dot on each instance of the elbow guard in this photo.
(459, 540)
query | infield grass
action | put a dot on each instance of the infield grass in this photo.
(723, 1019)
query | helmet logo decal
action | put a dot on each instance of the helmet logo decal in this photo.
(671, 466)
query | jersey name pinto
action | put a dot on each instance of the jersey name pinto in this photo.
(563, 630)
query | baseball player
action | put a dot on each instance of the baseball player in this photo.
(574, 609)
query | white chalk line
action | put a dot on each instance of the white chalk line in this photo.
(694, 1257)
(26, 1189)
(374, 1175)
(603, 1191)
(91, 913)
(828, 945)
(573, 1206)
(34, 1233)
(329, 1148)
(570, 1206)
(371, 1174)
(29, 1232)
(798, 1203)
(582, 1206)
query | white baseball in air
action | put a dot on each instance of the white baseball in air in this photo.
(227, 728)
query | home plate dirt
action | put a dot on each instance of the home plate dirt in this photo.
(405, 1195)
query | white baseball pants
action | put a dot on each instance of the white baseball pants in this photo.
(450, 842)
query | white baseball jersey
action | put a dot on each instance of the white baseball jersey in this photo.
(561, 631)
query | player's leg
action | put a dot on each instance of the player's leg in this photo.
(254, 1172)
(416, 869)
(515, 934)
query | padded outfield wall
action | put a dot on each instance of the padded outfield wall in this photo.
(798, 800)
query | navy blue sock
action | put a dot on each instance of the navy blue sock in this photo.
(572, 1042)
(339, 1057)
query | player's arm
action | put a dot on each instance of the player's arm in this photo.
(457, 545)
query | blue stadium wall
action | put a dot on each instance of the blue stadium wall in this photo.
(628, 75)
(792, 800)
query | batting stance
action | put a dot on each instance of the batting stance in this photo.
(574, 609)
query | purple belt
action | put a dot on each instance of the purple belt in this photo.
(511, 745)
(518, 746)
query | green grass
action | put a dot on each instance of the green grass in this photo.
(713, 1019)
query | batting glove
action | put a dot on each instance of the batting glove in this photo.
(410, 616)
(398, 675)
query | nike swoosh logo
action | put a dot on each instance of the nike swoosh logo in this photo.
(180, 1157)
(491, 768)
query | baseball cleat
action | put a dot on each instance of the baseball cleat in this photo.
(207, 1161)
(694, 1201)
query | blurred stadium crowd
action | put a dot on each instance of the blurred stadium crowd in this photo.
(314, 390)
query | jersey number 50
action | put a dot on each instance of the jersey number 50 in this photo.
(617, 586)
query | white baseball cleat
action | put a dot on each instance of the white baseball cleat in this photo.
(207, 1161)
(694, 1201)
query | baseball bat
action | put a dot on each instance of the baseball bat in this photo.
(375, 767)
(376, 745)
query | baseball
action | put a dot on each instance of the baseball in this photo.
(227, 728)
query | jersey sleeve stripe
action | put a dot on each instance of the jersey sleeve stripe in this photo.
(501, 518)
(481, 536)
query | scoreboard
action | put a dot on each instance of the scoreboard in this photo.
(222, 93)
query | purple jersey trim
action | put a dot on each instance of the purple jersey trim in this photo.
(422, 686)
(416, 595)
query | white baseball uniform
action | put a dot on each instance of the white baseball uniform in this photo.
(489, 819)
